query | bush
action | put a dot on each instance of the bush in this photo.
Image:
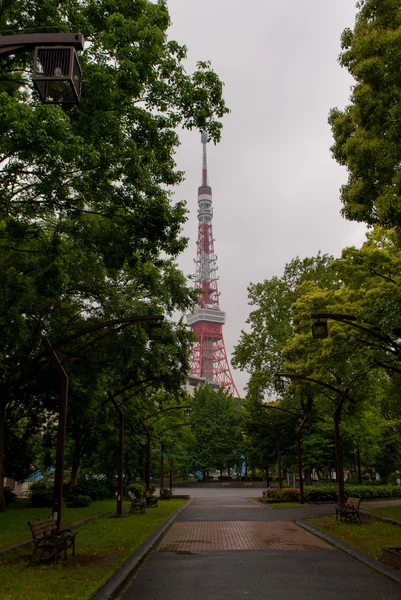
(79, 501)
(41, 495)
(327, 493)
(366, 492)
(139, 490)
(291, 494)
(9, 496)
(97, 489)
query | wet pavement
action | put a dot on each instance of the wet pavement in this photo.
(225, 546)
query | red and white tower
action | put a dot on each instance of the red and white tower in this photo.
(208, 356)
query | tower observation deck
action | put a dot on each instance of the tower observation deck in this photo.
(208, 355)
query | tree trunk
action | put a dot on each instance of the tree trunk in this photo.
(76, 459)
(2, 433)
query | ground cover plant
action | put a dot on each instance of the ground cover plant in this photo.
(101, 544)
(368, 537)
(14, 522)
(285, 505)
(391, 512)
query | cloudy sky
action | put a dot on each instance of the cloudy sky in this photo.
(275, 184)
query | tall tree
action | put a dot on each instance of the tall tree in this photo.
(367, 133)
(271, 322)
(89, 232)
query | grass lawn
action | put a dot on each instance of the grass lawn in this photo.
(392, 512)
(101, 546)
(285, 504)
(14, 522)
(369, 537)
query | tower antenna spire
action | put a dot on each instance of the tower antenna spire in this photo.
(208, 355)
(204, 139)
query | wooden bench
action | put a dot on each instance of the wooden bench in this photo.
(151, 501)
(137, 505)
(350, 511)
(266, 493)
(48, 542)
(248, 484)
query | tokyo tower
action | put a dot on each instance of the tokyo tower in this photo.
(208, 355)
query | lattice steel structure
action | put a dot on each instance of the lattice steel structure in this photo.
(208, 357)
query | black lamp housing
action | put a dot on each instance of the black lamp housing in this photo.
(57, 75)
(320, 329)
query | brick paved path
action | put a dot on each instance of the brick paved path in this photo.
(226, 547)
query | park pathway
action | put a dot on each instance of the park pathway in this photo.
(225, 546)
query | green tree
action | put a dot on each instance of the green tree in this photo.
(216, 429)
(271, 323)
(367, 133)
(89, 232)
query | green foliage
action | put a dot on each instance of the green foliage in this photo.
(96, 489)
(329, 493)
(89, 232)
(321, 493)
(41, 495)
(288, 494)
(216, 430)
(260, 351)
(79, 501)
(367, 132)
(374, 491)
(139, 490)
(9, 496)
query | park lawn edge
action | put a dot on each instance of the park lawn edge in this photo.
(369, 537)
(99, 543)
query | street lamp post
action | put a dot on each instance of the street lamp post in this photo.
(146, 429)
(61, 434)
(120, 468)
(343, 395)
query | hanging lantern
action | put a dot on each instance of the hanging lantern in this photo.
(279, 384)
(320, 329)
(57, 74)
(155, 331)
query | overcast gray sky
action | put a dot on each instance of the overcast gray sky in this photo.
(275, 184)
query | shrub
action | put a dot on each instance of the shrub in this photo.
(366, 492)
(97, 489)
(139, 490)
(291, 494)
(79, 501)
(327, 493)
(9, 496)
(41, 495)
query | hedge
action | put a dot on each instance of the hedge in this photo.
(329, 493)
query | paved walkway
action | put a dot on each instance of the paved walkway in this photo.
(225, 546)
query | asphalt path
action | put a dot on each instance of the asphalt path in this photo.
(175, 571)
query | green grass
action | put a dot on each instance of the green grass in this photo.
(14, 522)
(101, 545)
(285, 504)
(392, 512)
(369, 537)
